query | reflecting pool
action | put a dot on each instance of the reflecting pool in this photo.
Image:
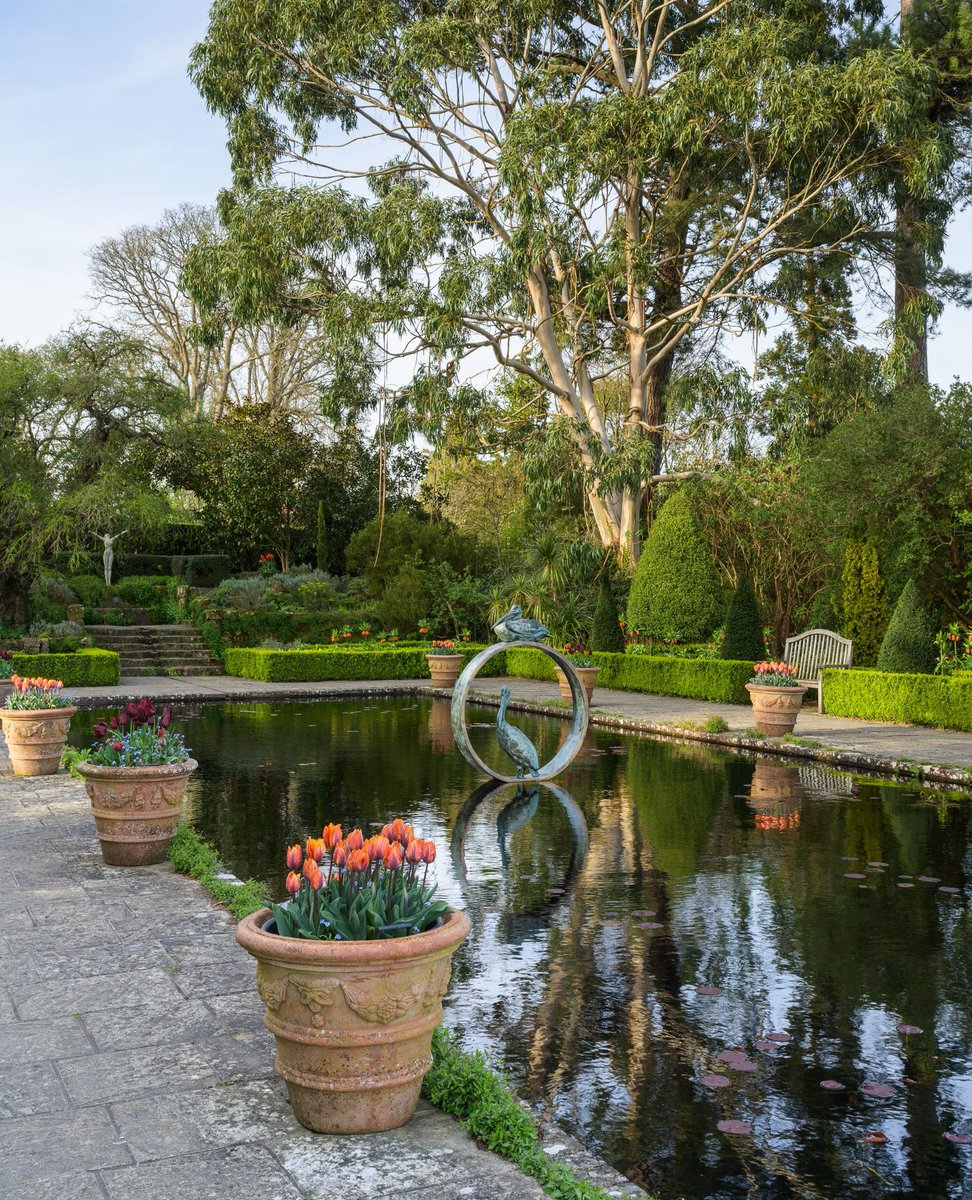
(669, 939)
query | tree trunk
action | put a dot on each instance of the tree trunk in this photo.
(911, 286)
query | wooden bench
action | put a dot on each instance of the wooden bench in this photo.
(810, 652)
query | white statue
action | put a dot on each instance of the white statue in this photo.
(108, 557)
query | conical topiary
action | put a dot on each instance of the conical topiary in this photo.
(744, 631)
(909, 644)
(864, 602)
(675, 591)
(606, 632)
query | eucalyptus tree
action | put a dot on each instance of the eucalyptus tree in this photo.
(578, 189)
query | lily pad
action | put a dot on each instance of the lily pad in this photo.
(958, 1139)
(929, 879)
(708, 990)
(643, 912)
(763, 1044)
(905, 885)
(832, 1085)
(880, 1091)
(950, 891)
(728, 1056)
(878, 864)
(650, 925)
(738, 1128)
(910, 1029)
(778, 1037)
(854, 875)
(715, 1081)
(875, 1138)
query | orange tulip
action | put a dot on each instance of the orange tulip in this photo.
(315, 849)
(396, 830)
(393, 857)
(376, 847)
(428, 852)
(293, 883)
(358, 860)
(340, 855)
(316, 877)
(331, 835)
(294, 857)
(408, 835)
(413, 852)
(354, 840)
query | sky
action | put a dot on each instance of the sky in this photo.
(101, 129)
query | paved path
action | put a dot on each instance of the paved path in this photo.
(916, 743)
(134, 1064)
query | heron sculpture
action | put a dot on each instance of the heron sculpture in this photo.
(515, 627)
(514, 742)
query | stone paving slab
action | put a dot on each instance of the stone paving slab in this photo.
(134, 1064)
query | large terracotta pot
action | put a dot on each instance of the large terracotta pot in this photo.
(136, 809)
(775, 708)
(587, 676)
(353, 1021)
(35, 738)
(444, 669)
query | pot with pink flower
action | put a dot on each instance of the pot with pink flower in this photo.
(352, 968)
(136, 775)
(444, 663)
(776, 697)
(35, 723)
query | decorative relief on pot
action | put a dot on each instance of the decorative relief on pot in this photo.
(317, 999)
(381, 1006)
(271, 991)
(434, 994)
(22, 732)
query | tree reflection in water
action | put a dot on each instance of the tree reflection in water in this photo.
(587, 951)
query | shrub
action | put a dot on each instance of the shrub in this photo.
(246, 595)
(404, 599)
(606, 632)
(142, 564)
(143, 591)
(89, 589)
(907, 699)
(744, 630)
(86, 668)
(675, 590)
(49, 598)
(864, 602)
(909, 643)
(700, 679)
(364, 663)
(201, 570)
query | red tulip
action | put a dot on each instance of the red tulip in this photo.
(99, 729)
(166, 718)
(117, 746)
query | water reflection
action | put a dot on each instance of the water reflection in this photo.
(637, 921)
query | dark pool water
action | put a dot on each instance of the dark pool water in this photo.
(811, 906)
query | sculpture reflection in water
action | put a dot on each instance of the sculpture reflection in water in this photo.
(521, 809)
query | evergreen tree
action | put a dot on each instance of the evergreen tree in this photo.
(606, 632)
(865, 604)
(909, 644)
(744, 632)
(675, 591)
(321, 538)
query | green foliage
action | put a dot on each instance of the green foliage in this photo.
(141, 565)
(606, 631)
(909, 643)
(700, 679)
(201, 570)
(463, 1085)
(190, 855)
(744, 629)
(715, 725)
(320, 545)
(292, 666)
(405, 598)
(676, 590)
(85, 668)
(89, 589)
(380, 549)
(906, 699)
(865, 604)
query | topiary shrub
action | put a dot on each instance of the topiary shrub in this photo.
(909, 643)
(865, 604)
(89, 589)
(744, 630)
(606, 631)
(675, 591)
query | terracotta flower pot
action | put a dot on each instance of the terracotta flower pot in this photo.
(136, 809)
(35, 738)
(587, 676)
(353, 1021)
(444, 669)
(775, 708)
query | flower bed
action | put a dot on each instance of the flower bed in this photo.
(697, 679)
(906, 699)
(326, 663)
(84, 668)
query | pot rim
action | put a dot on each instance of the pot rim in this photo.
(95, 771)
(38, 713)
(772, 687)
(432, 654)
(295, 952)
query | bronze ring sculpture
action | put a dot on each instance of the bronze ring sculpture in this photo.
(578, 723)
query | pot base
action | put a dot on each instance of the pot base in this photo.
(355, 1111)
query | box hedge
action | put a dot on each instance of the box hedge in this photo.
(311, 666)
(85, 668)
(905, 699)
(201, 570)
(697, 679)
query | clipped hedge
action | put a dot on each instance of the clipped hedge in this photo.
(698, 679)
(311, 666)
(904, 699)
(85, 668)
(201, 570)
